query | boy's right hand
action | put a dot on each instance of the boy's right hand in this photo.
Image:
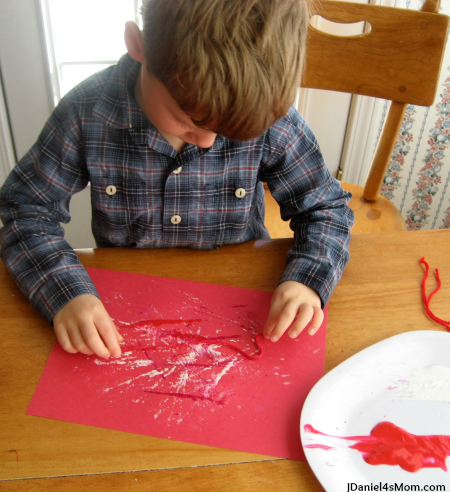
(83, 325)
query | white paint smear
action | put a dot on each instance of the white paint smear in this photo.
(429, 383)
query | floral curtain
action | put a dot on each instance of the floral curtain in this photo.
(418, 177)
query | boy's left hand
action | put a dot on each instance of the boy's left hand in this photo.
(293, 300)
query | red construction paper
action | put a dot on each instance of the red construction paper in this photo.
(176, 387)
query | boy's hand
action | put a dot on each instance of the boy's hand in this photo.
(83, 325)
(293, 300)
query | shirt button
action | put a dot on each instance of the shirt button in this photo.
(240, 192)
(175, 219)
(111, 190)
(178, 170)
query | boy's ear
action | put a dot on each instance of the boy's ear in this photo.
(133, 41)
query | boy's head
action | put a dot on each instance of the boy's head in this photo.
(231, 65)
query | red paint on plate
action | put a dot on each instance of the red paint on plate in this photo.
(388, 444)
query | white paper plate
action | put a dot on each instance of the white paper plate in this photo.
(371, 387)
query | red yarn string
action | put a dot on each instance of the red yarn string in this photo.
(427, 300)
(207, 342)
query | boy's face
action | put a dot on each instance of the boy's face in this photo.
(163, 111)
(158, 105)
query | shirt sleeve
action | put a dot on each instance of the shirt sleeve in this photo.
(314, 201)
(34, 201)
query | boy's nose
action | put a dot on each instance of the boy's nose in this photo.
(204, 140)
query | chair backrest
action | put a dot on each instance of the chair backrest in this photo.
(398, 58)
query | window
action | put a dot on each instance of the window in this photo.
(83, 37)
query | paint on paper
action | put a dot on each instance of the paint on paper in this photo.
(185, 372)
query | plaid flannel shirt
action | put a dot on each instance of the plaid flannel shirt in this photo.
(146, 195)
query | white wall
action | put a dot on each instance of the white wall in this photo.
(7, 155)
(22, 62)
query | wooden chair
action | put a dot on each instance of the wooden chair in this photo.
(399, 58)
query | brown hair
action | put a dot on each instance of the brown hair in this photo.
(232, 65)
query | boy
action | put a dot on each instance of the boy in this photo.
(176, 140)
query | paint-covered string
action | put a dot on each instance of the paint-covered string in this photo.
(193, 338)
(207, 341)
(427, 300)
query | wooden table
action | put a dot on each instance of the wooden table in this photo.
(378, 297)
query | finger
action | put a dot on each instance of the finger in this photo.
(93, 340)
(119, 335)
(109, 334)
(64, 340)
(78, 342)
(270, 323)
(275, 309)
(316, 322)
(287, 316)
(305, 315)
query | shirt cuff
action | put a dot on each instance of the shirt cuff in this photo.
(61, 288)
(320, 276)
